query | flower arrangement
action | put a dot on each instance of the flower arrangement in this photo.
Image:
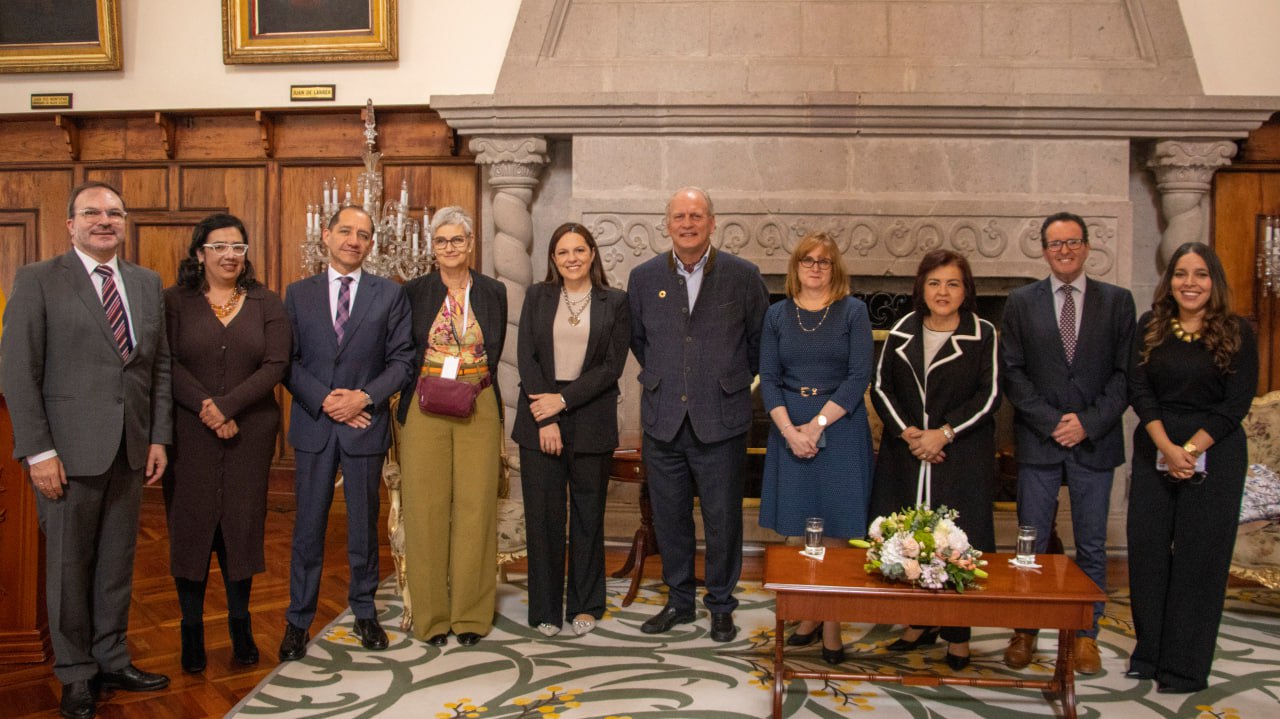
(923, 546)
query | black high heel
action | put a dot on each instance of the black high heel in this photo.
(833, 656)
(927, 638)
(803, 640)
(956, 662)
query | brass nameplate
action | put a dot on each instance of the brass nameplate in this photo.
(312, 93)
(50, 101)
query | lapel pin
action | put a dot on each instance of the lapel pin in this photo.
(662, 293)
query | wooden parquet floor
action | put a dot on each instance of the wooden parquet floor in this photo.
(30, 690)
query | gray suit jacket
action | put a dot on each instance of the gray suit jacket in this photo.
(700, 363)
(1038, 382)
(67, 387)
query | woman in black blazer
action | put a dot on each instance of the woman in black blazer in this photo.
(449, 465)
(574, 331)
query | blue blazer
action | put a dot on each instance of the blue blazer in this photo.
(376, 355)
(1041, 386)
(699, 364)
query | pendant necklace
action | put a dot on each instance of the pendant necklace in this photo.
(575, 305)
(815, 328)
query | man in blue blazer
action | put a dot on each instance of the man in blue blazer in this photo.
(352, 350)
(1064, 357)
(696, 317)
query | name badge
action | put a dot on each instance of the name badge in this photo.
(450, 368)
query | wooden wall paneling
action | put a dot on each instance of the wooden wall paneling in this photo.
(413, 134)
(241, 191)
(301, 185)
(1236, 198)
(24, 623)
(18, 245)
(141, 188)
(159, 241)
(34, 141)
(43, 192)
(218, 137)
(332, 136)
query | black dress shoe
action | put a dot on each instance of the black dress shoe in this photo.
(833, 656)
(927, 638)
(956, 662)
(722, 628)
(438, 640)
(77, 701)
(372, 636)
(803, 640)
(664, 620)
(132, 679)
(243, 648)
(294, 644)
(468, 639)
(193, 657)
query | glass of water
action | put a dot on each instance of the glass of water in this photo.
(1026, 548)
(813, 536)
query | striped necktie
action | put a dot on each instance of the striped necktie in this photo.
(114, 308)
(344, 308)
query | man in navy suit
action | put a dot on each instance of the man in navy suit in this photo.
(696, 316)
(352, 350)
(1064, 357)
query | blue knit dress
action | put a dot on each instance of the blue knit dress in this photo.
(835, 356)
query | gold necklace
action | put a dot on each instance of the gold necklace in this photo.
(815, 328)
(575, 306)
(223, 310)
(1180, 333)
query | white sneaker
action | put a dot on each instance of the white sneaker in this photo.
(583, 624)
(549, 630)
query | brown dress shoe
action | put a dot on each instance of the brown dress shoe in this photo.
(1018, 654)
(1088, 661)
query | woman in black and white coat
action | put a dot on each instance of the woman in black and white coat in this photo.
(939, 451)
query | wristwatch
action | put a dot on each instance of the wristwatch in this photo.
(1191, 449)
(822, 420)
(949, 433)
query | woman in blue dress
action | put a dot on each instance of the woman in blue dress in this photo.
(815, 365)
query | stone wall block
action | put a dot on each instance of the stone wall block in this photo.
(761, 29)
(1105, 31)
(590, 30)
(677, 29)
(936, 29)
(844, 29)
(1026, 30)
(612, 164)
(1079, 168)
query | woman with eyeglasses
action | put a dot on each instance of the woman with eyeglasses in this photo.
(449, 463)
(815, 363)
(230, 340)
(1191, 381)
(936, 391)
(574, 334)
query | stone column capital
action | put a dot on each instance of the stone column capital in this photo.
(514, 157)
(1189, 161)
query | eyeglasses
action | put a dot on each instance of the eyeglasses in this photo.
(222, 248)
(809, 263)
(456, 242)
(1074, 243)
(93, 214)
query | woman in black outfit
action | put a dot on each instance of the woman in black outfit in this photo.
(574, 332)
(1191, 381)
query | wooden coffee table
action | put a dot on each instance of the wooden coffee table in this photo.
(1057, 596)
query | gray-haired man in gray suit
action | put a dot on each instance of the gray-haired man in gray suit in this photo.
(86, 375)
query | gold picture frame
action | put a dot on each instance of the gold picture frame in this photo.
(84, 36)
(299, 31)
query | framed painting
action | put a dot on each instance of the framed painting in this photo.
(274, 31)
(59, 35)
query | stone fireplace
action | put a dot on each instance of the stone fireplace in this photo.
(898, 127)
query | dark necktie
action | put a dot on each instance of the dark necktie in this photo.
(1067, 322)
(114, 308)
(344, 308)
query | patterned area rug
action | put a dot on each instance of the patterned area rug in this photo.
(617, 672)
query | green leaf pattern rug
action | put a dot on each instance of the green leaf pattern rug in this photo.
(617, 672)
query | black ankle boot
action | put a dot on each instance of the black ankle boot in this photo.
(193, 659)
(242, 645)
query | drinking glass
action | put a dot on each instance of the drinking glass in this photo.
(1026, 548)
(813, 536)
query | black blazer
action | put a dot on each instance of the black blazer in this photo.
(1042, 387)
(592, 399)
(488, 302)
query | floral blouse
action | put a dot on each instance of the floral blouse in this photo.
(443, 341)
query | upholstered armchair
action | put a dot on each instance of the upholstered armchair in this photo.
(1257, 550)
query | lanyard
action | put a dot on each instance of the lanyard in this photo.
(466, 311)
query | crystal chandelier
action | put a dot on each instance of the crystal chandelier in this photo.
(399, 250)
(1269, 254)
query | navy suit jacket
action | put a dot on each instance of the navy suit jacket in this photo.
(592, 398)
(1041, 386)
(376, 355)
(699, 364)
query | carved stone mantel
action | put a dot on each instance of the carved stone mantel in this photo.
(514, 164)
(1184, 175)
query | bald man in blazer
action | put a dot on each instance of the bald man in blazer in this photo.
(87, 383)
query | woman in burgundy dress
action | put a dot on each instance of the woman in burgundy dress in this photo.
(230, 341)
